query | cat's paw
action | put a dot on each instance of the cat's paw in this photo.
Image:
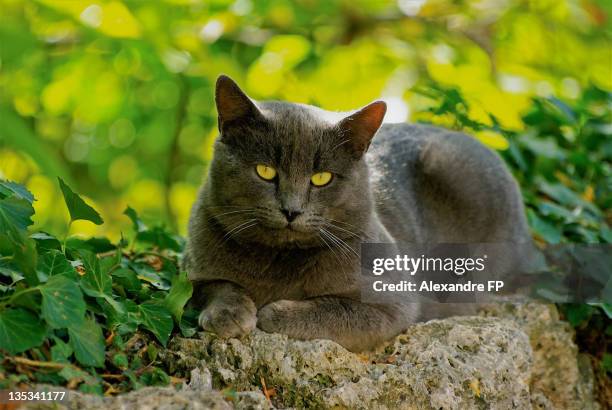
(276, 317)
(227, 320)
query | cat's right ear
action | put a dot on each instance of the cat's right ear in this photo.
(361, 127)
(233, 105)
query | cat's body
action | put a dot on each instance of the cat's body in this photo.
(282, 253)
(432, 185)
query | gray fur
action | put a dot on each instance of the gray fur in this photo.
(415, 184)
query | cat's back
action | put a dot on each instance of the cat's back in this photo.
(432, 184)
(408, 143)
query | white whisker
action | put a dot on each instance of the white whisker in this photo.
(334, 240)
(331, 249)
(342, 229)
(242, 229)
(231, 212)
(342, 244)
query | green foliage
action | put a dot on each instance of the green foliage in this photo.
(60, 307)
(15, 208)
(606, 363)
(179, 294)
(87, 343)
(580, 315)
(20, 330)
(77, 207)
(62, 302)
(117, 99)
(593, 325)
(156, 236)
(157, 319)
(562, 159)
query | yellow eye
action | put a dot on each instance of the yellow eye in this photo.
(265, 172)
(321, 178)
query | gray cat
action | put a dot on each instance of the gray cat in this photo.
(293, 191)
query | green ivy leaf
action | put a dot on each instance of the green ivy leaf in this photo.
(94, 282)
(8, 188)
(139, 226)
(578, 313)
(155, 377)
(20, 330)
(62, 302)
(606, 233)
(45, 242)
(148, 274)
(55, 263)
(179, 294)
(189, 322)
(87, 342)
(94, 386)
(157, 236)
(25, 257)
(109, 263)
(557, 212)
(15, 214)
(72, 374)
(545, 147)
(543, 228)
(152, 351)
(60, 351)
(605, 307)
(127, 278)
(564, 195)
(78, 209)
(127, 320)
(96, 245)
(121, 361)
(157, 319)
(6, 269)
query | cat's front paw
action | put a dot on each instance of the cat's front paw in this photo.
(227, 320)
(276, 317)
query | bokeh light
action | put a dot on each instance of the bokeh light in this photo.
(117, 97)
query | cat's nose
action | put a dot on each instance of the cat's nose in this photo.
(290, 214)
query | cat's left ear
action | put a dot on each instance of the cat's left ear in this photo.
(361, 126)
(233, 105)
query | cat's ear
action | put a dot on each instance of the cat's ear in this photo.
(232, 103)
(361, 126)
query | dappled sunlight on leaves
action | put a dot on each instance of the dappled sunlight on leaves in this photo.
(493, 140)
(117, 97)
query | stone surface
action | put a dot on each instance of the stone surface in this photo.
(452, 364)
(511, 357)
(161, 398)
(559, 374)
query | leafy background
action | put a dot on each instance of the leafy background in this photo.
(116, 98)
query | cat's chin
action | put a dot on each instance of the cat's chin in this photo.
(285, 237)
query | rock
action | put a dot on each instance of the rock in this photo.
(559, 374)
(452, 364)
(148, 398)
(512, 357)
(516, 356)
(160, 398)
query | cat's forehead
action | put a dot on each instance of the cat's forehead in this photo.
(279, 110)
(296, 136)
(302, 125)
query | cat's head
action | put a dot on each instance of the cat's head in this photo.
(290, 175)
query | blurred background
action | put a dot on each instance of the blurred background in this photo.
(116, 97)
